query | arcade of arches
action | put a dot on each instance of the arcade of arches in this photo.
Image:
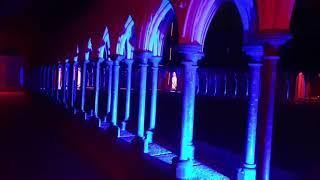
(158, 46)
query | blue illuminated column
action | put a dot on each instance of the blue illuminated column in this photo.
(115, 89)
(190, 54)
(74, 82)
(248, 170)
(155, 60)
(109, 65)
(53, 70)
(142, 58)
(65, 81)
(97, 88)
(58, 81)
(128, 93)
(84, 84)
(271, 58)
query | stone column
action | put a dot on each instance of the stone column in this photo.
(74, 83)
(142, 58)
(97, 89)
(65, 82)
(58, 94)
(271, 57)
(155, 60)
(248, 170)
(191, 54)
(128, 93)
(48, 80)
(115, 89)
(83, 85)
(109, 65)
(53, 69)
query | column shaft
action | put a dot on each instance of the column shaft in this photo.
(267, 114)
(189, 87)
(153, 104)
(83, 86)
(115, 89)
(254, 97)
(97, 89)
(109, 65)
(142, 98)
(128, 93)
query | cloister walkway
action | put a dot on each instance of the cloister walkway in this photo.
(40, 141)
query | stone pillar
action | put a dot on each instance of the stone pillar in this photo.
(128, 93)
(58, 93)
(74, 83)
(248, 170)
(65, 82)
(142, 58)
(53, 69)
(84, 85)
(115, 89)
(155, 60)
(269, 81)
(191, 54)
(267, 114)
(97, 89)
(109, 65)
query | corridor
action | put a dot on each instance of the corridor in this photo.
(40, 141)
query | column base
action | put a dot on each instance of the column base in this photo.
(140, 144)
(183, 168)
(124, 125)
(114, 131)
(149, 136)
(248, 172)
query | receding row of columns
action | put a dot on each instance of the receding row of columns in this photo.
(190, 55)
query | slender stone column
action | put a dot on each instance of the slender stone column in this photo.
(267, 114)
(191, 54)
(248, 170)
(97, 88)
(155, 60)
(115, 90)
(271, 57)
(109, 65)
(48, 80)
(142, 58)
(74, 83)
(84, 85)
(58, 81)
(128, 93)
(53, 69)
(65, 82)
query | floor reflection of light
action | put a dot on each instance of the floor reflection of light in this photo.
(200, 171)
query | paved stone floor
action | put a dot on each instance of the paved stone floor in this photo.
(40, 141)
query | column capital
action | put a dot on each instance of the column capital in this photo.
(143, 56)
(155, 60)
(109, 62)
(190, 53)
(256, 52)
(116, 58)
(128, 62)
(276, 40)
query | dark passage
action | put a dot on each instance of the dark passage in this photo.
(40, 141)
